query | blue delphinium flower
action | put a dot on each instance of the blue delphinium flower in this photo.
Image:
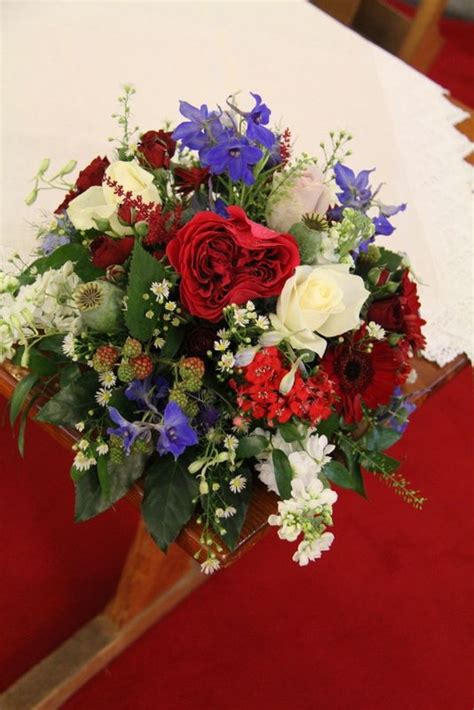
(401, 408)
(381, 222)
(235, 154)
(355, 189)
(196, 133)
(128, 431)
(206, 417)
(257, 119)
(52, 241)
(175, 433)
(146, 393)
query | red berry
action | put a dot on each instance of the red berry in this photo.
(143, 366)
(105, 358)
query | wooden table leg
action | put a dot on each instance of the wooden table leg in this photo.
(151, 584)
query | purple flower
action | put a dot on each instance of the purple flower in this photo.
(52, 241)
(196, 132)
(381, 223)
(176, 433)
(146, 392)
(257, 118)
(206, 418)
(355, 189)
(128, 431)
(235, 154)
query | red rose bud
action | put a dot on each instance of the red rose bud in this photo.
(387, 313)
(142, 366)
(384, 277)
(157, 148)
(126, 213)
(107, 251)
(223, 261)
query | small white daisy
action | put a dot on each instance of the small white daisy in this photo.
(159, 342)
(262, 322)
(210, 565)
(171, 306)
(69, 345)
(221, 345)
(82, 462)
(149, 315)
(80, 426)
(237, 484)
(226, 362)
(82, 445)
(103, 449)
(223, 333)
(230, 442)
(103, 396)
(160, 289)
(107, 379)
(374, 330)
(229, 511)
(241, 317)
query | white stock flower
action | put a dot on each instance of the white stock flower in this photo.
(308, 551)
(319, 449)
(305, 194)
(7, 342)
(319, 301)
(101, 202)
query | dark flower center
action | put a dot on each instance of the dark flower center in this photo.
(234, 152)
(352, 370)
(172, 433)
(355, 371)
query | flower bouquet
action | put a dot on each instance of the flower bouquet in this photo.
(206, 309)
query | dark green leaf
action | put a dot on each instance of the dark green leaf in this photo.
(103, 475)
(283, 473)
(338, 474)
(38, 363)
(68, 374)
(23, 423)
(329, 426)
(380, 438)
(20, 394)
(353, 465)
(52, 344)
(91, 499)
(144, 270)
(240, 501)
(71, 404)
(290, 432)
(250, 446)
(76, 253)
(389, 259)
(378, 463)
(169, 498)
(174, 339)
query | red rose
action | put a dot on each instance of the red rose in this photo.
(157, 148)
(400, 313)
(89, 177)
(223, 261)
(107, 251)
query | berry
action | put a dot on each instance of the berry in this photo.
(115, 442)
(192, 371)
(116, 456)
(126, 372)
(191, 408)
(177, 395)
(141, 446)
(105, 358)
(132, 348)
(143, 366)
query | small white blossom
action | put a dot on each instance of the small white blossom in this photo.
(241, 317)
(237, 484)
(221, 345)
(80, 426)
(103, 397)
(103, 449)
(309, 551)
(230, 442)
(262, 322)
(219, 512)
(82, 462)
(149, 315)
(223, 334)
(374, 330)
(69, 346)
(226, 362)
(82, 444)
(171, 306)
(210, 565)
(107, 379)
(229, 511)
(160, 289)
(159, 342)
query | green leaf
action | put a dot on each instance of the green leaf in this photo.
(250, 446)
(240, 501)
(144, 270)
(68, 374)
(378, 463)
(37, 363)
(20, 394)
(338, 474)
(52, 344)
(71, 404)
(380, 438)
(92, 500)
(76, 253)
(174, 339)
(23, 423)
(103, 475)
(290, 432)
(283, 473)
(389, 259)
(329, 426)
(353, 464)
(169, 498)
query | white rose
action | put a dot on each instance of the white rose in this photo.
(306, 194)
(319, 301)
(101, 202)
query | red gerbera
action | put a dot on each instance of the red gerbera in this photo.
(190, 179)
(400, 313)
(365, 371)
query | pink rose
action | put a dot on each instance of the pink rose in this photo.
(306, 194)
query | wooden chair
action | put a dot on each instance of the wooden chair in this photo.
(151, 583)
(416, 39)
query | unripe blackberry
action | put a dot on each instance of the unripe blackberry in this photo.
(143, 366)
(115, 442)
(177, 395)
(116, 456)
(126, 372)
(192, 371)
(191, 408)
(131, 348)
(105, 358)
(141, 446)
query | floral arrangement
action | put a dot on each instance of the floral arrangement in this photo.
(206, 309)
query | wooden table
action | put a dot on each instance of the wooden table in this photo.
(151, 583)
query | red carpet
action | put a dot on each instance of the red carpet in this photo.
(383, 621)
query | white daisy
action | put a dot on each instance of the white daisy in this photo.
(103, 449)
(107, 379)
(69, 345)
(237, 484)
(210, 565)
(374, 330)
(82, 462)
(80, 426)
(103, 396)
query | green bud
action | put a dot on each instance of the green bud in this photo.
(31, 197)
(44, 165)
(141, 228)
(374, 275)
(308, 240)
(68, 168)
(103, 225)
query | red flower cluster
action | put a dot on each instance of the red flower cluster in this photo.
(258, 396)
(365, 372)
(229, 260)
(91, 176)
(156, 148)
(400, 313)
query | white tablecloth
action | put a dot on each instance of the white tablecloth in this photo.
(66, 61)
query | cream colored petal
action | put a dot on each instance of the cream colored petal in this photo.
(87, 206)
(355, 295)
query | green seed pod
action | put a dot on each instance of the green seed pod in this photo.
(100, 304)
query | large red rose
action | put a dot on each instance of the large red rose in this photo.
(107, 251)
(223, 261)
(157, 148)
(91, 176)
(400, 313)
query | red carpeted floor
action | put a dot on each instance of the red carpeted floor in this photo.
(383, 621)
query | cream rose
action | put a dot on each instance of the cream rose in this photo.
(101, 202)
(318, 301)
(306, 194)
